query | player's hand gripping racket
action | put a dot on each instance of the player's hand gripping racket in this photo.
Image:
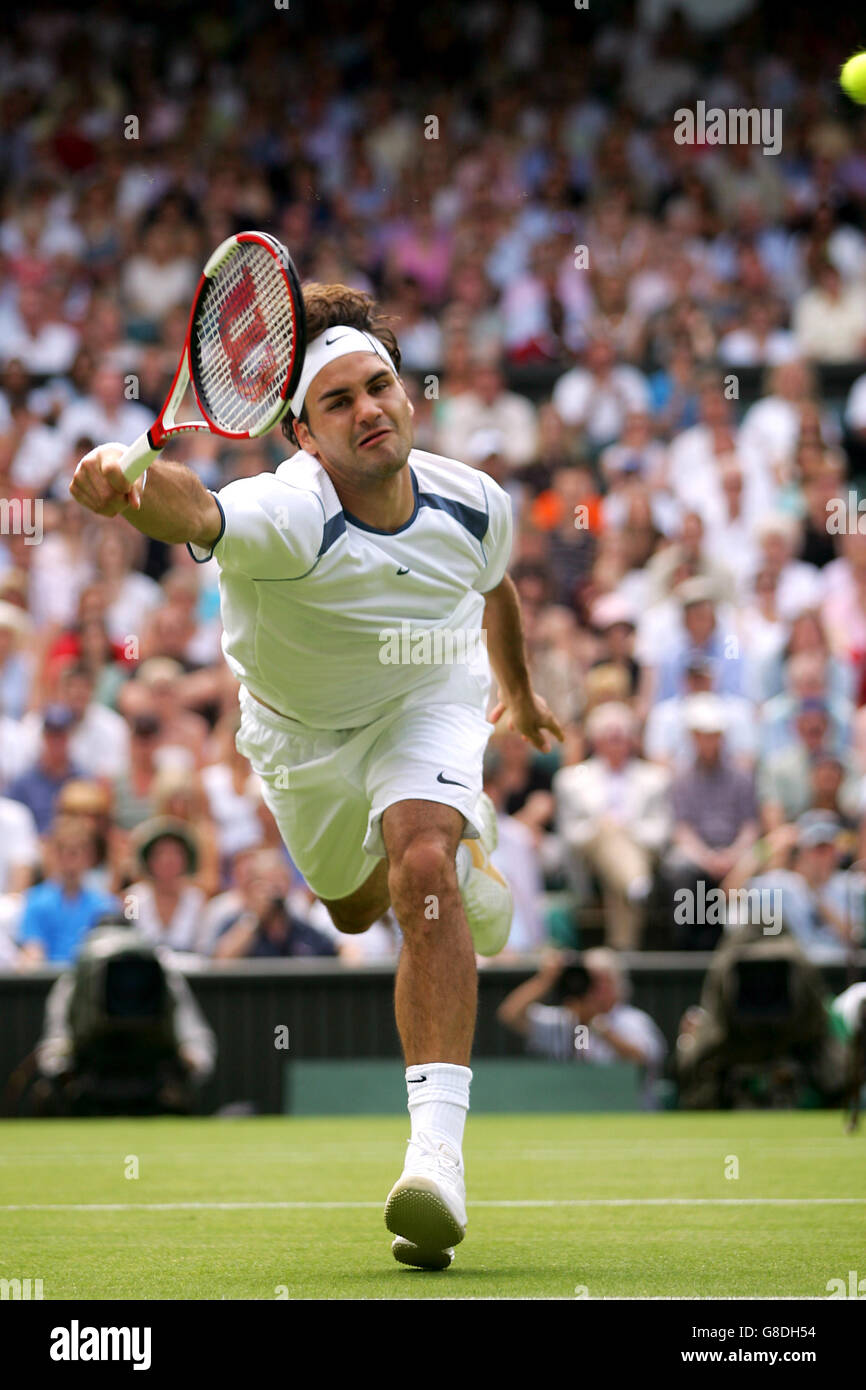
(244, 348)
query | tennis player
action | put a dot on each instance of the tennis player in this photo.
(349, 579)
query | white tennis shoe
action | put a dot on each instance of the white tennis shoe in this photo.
(486, 896)
(426, 1207)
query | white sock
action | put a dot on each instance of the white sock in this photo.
(438, 1100)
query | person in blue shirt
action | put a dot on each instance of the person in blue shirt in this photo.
(59, 912)
(819, 903)
(39, 787)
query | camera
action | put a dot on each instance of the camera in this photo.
(575, 982)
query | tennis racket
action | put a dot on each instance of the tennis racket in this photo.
(244, 348)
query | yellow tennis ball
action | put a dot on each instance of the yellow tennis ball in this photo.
(852, 78)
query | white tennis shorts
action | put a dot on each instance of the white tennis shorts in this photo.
(328, 789)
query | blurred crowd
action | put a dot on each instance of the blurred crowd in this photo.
(579, 301)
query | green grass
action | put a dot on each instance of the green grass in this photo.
(510, 1252)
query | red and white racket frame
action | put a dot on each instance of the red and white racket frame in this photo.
(141, 454)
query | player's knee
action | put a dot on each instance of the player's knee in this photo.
(426, 866)
(353, 920)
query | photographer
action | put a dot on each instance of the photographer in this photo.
(590, 1020)
(265, 926)
(762, 1034)
(123, 1033)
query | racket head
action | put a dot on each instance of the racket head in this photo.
(247, 336)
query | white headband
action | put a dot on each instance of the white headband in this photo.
(333, 343)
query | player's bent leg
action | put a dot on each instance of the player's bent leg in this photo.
(358, 911)
(435, 998)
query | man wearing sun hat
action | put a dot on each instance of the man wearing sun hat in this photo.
(716, 816)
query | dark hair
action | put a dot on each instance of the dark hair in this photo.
(328, 305)
(76, 668)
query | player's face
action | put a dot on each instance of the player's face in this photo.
(360, 418)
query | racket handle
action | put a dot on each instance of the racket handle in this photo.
(137, 458)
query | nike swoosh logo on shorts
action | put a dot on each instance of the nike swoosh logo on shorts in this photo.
(450, 781)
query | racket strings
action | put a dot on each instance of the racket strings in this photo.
(243, 341)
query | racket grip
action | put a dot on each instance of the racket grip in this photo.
(137, 458)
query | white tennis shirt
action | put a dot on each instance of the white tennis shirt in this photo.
(324, 617)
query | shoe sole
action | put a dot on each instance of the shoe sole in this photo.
(408, 1254)
(416, 1212)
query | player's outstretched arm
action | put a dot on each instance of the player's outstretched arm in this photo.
(528, 712)
(169, 503)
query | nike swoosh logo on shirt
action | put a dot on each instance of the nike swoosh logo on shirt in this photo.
(401, 570)
(413, 1080)
(450, 781)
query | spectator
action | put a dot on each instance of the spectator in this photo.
(135, 789)
(60, 911)
(821, 904)
(613, 621)
(39, 787)
(105, 413)
(165, 905)
(771, 428)
(158, 279)
(233, 797)
(19, 847)
(785, 777)
(828, 318)
(572, 512)
(598, 396)
(99, 737)
(591, 1022)
(695, 454)
(758, 341)
(157, 691)
(15, 661)
(806, 678)
(668, 738)
(716, 820)
(798, 585)
(489, 406)
(266, 927)
(181, 795)
(821, 489)
(132, 595)
(613, 815)
(544, 309)
(700, 639)
(42, 344)
(89, 804)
